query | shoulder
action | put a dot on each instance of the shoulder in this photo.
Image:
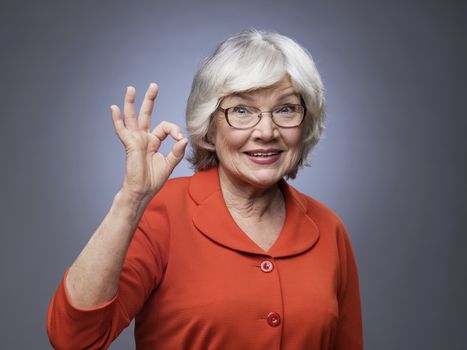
(197, 187)
(329, 223)
(177, 185)
(172, 192)
(315, 209)
(164, 205)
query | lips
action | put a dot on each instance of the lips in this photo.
(263, 154)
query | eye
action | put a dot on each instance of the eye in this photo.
(286, 109)
(241, 110)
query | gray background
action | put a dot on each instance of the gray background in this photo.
(392, 163)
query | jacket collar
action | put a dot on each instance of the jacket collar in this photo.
(212, 218)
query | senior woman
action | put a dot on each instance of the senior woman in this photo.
(232, 257)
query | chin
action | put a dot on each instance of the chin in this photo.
(264, 178)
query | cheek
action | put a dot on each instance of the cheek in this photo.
(293, 138)
(294, 141)
(230, 141)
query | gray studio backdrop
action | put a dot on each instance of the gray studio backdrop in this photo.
(392, 163)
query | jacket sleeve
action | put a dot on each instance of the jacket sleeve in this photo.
(69, 327)
(349, 332)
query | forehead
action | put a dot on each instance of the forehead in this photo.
(283, 89)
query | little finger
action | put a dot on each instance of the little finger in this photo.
(118, 122)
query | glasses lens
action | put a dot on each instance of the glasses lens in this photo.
(245, 117)
(288, 115)
(242, 116)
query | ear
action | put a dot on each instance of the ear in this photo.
(210, 137)
(208, 145)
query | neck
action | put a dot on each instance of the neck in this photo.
(250, 201)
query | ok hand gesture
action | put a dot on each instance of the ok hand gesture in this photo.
(146, 168)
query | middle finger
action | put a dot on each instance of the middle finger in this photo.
(145, 113)
(129, 113)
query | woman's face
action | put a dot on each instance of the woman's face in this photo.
(264, 154)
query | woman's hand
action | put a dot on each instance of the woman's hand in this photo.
(94, 276)
(146, 169)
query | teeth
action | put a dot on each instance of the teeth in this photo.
(261, 154)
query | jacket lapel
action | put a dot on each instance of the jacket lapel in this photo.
(213, 220)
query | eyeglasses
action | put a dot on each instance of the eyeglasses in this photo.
(246, 117)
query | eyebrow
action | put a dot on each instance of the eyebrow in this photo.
(246, 96)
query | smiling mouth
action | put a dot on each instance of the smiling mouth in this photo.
(263, 154)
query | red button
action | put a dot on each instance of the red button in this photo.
(266, 266)
(273, 319)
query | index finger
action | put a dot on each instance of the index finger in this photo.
(164, 129)
(145, 113)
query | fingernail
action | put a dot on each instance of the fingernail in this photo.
(180, 136)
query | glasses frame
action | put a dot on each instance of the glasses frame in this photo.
(260, 116)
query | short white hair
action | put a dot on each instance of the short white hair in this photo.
(248, 61)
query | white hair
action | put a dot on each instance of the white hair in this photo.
(248, 61)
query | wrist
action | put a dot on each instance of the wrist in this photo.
(135, 194)
(130, 200)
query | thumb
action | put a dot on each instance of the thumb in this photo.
(177, 153)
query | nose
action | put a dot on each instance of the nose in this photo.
(266, 129)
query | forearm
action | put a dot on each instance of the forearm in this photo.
(94, 276)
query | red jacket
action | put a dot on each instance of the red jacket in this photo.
(194, 280)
